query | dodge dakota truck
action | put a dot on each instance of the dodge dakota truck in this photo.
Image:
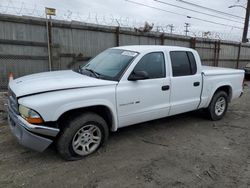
(122, 86)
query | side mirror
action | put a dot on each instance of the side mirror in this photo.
(138, 75)
(80, 68)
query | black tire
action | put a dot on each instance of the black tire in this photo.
(211, 110)
(72, 127)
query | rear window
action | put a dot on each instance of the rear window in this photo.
(183, 63)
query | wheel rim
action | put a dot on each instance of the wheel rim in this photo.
(220, 106)
(87, 139)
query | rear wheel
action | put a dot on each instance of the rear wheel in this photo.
(218, 105)
(82, 136)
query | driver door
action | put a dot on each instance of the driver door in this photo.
(147, 99)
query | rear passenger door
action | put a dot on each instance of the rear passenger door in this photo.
(186, 82)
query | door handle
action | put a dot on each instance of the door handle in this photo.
(196, 84)
(164, 88)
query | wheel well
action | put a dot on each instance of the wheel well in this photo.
(228, 91)
(101, 110)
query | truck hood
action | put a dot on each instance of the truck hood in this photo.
(52, 81)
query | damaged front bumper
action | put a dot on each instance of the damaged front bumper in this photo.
(35, 137)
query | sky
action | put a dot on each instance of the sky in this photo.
(129, 14)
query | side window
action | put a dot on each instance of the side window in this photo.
(192, 62)
(183, 63)
(153, 63)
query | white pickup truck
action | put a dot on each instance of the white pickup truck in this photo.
(121, 86)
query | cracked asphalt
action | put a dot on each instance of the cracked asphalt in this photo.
(186, 150)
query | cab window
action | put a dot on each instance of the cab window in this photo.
(152, 63)
(183, 63)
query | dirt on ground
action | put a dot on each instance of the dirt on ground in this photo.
(186, 150)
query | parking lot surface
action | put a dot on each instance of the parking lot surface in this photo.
(186, 150)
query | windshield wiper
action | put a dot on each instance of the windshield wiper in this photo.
(97, 75)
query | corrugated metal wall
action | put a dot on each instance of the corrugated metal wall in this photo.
(24, 49)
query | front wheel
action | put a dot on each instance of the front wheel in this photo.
(82, 136)
(218, 105)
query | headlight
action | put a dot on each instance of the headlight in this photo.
(30, 115)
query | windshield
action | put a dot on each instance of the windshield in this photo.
(109, 64)
(248, 65)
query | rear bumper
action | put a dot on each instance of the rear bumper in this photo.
(26, 133)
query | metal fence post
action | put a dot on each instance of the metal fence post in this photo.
(193, 42)
(215, 51)
(48, 26)
(218, 54)
(117, 36)
(238, 56)
(162, 38)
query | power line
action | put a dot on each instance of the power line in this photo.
(207, 14)
(204, 20)
(210, 9)
(214, 22)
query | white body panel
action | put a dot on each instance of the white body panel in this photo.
(142, 101)
(215, 77)
(184, 96)
(52, 81)
(54, 93)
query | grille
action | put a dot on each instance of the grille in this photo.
(13, 105)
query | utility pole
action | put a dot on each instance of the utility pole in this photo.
(244, 36)
(187, 25)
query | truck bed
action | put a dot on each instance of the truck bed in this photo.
(214, 77)
(208, 70)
